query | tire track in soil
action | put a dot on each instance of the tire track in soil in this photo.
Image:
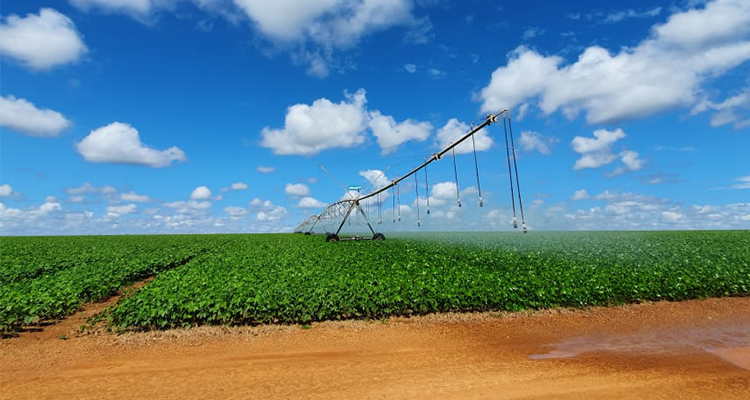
(70, 326)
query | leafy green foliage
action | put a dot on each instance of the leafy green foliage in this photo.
(251, 279)
(45, 278)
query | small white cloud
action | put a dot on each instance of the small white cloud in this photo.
(410, 68)
(41, 41)
(310, 202)
(672, 216)
(188, 206)
(22, 116)
(597, 151)
(435, 73)
(455, 129)
(49, 207)
(310, 129)
(108, 190)
(618, 16)
(239, 186)
(119, 143)
(744, 183)
(376, 177)
(6, 190)
(200, 193)
(83, 189)
(391, 134)
(122, 210)
(533, 141)
(421, 31)
(236, 212)
(133, 7)
(134, 197)
(581, 194)
(272, 215)
(532, 32)
(729, 111)
(631, 161)
(265, 170)
(297, 189)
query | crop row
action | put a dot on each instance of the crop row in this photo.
(254, 279)
(50, 278)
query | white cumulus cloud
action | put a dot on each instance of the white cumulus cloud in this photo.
(41, 41)
(391, 134)
(310, 202)
(596, 151)
(455, 129)
(119, 143)
(127, 6)
(664, 71)
(265, 170)
(200, 193)
(631, 162)
(236, 212)
(533, 141)
(6, 190)
(297, 189)
(581, 194)
(23, 116)
(310, 129)
(376, 177)
(744, 183)
(134, 197)
(122, 210)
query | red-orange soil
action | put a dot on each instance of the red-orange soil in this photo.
(689, 350)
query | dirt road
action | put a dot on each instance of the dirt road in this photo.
(694, 349)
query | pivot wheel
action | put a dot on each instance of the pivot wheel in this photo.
(378, 236)
(332, 237)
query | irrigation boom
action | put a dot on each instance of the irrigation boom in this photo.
(344, 208)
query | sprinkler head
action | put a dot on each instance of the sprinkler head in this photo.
(428, 211)
(419, 223)
(481, 203)
(524, 228)
(459, 203)
(515, 223)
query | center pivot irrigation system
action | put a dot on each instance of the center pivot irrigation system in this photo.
(347, 209)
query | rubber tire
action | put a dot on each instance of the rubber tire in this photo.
(308, 233)
(332, 237)
(378, 236)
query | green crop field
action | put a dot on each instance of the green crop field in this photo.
(253, 279)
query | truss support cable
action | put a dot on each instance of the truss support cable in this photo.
(380, 210)
(416, 187)
(455, 175)
(476, 169)
(515, 167)
(393, 198)
(398, 194)
(510, 174)
(427, 189)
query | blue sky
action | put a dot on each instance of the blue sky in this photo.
(160, 116)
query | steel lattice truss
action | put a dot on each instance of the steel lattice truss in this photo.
(338, 213)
